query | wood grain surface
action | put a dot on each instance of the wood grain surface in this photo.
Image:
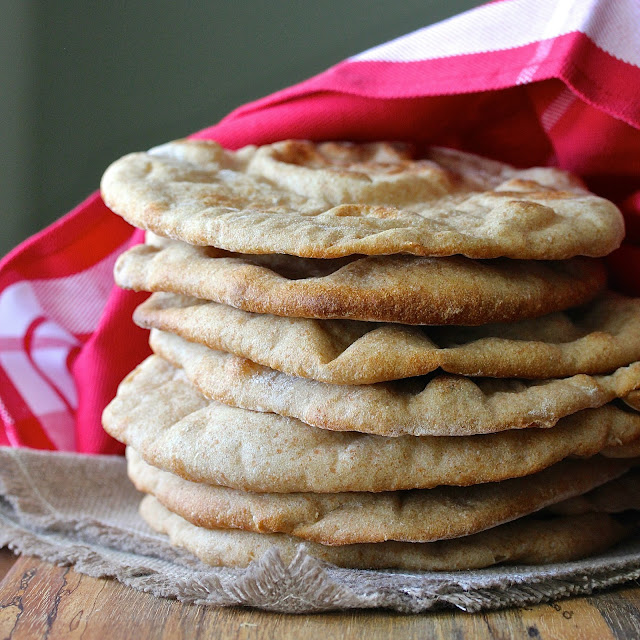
(39, 600)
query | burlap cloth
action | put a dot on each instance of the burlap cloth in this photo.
(79, 510)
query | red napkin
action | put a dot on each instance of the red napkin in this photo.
(531, 82)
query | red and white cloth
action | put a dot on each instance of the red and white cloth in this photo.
(526, 81)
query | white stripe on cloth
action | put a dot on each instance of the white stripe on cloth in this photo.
(60, 427)
(557, 109)
(6, 417)
(52, 310)
(52, 359)
(39, 395)
(611, 24)
(32, 373)
(75, 302)
(557, 24)
(46, 386)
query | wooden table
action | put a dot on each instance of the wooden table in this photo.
(39, 600)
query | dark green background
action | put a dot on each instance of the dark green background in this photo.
(85, 82)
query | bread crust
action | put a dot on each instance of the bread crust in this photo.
(337, 199)
(525, 541)
(357, 517)
(437, 405)
(595, 339)
(403, 289)
(173, 427)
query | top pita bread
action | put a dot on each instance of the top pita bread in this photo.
(337, 199)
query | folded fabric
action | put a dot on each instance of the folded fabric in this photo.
(523, 81)
(94, 524)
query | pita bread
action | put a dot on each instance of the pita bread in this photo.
(349, 518)
(337, 199)
(397, 288)
(526, 541)
(633, 400)
(598, 338)
(173, 427)
(616, 496)
(440, 405)
(631, 450)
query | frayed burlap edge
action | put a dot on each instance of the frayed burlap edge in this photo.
(111, 546)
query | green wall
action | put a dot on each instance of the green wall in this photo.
(85, 82)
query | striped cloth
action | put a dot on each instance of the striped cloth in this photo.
(530, 82)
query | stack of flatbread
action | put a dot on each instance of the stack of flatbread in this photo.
(397, 362)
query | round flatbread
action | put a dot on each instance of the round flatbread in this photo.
(398, 288)
(349, 518)
(437, 405)
(616, 496)
(597, 338)
(526, 541)
(175, 428)
(337, 199)
(633, 400)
